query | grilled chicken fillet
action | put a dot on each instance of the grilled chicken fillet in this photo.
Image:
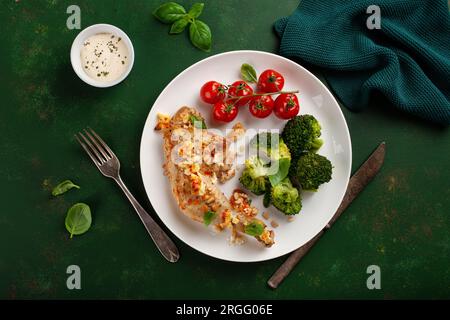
(195, 161)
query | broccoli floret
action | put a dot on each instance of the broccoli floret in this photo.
(269, 147)
(255, 185)
(311, 170)
(283, 151)
(271, 144)
(286, 198)
(254, 176)
(265, 140)
(301, 134)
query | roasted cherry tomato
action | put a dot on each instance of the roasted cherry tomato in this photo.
(286, 106)
(225, 111)
(261, 106)
(270, 81)
(240, 89)
(212, 92)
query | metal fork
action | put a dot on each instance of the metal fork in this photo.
(108, 164)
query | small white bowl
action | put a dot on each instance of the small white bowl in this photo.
(75, 53)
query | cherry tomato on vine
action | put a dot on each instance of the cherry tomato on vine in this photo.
(270, 81)
(225, 111)
(240, 89)
(286, 106)
(212, 92)
(261, 106)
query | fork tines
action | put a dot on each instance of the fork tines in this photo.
(94, 146)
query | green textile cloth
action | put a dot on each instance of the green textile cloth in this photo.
(407, 60)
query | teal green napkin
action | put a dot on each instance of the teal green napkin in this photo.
(407, 60)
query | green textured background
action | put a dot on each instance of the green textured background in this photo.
(400, 222)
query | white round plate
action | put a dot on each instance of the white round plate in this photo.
(318, 207)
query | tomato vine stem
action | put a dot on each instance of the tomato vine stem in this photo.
(237, 98)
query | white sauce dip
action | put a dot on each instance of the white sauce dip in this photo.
(104, 57)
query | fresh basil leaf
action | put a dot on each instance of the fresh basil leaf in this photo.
(179, 25)
(208, 217)
(195, 122)
(254, 228)
(78, 219)
(248, 73)
(200, 35)
(63, 187)
(283, 170)
(169, 12)
(196, 10)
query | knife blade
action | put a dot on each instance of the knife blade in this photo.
(366, 172)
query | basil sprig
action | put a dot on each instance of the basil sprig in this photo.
(175, 14)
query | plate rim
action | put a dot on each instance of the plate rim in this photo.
(147, 122)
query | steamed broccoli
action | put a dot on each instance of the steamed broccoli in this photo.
(254, 176)
(311, 170)
(269, 147)
(301, 134)
(283, 151)
(286, 198)
(271, 144)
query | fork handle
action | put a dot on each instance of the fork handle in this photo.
(164, 244)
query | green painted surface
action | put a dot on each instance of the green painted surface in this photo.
(400, 222)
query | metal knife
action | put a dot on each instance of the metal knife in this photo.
(357, 183)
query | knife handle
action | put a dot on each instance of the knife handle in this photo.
(292, 261)
(357, 182)
(298, 254)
